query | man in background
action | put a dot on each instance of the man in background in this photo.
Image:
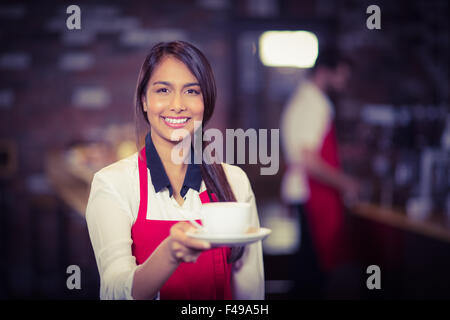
(313, 184)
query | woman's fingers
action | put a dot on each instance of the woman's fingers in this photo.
(185, 254)
(178, 232)
(184, 248)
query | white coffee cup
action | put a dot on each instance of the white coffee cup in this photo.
(226, 217)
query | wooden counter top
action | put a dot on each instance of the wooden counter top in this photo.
(436, 226)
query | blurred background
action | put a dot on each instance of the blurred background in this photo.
(66, 110)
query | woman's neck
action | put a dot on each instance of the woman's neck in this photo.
(175, 171)
(165, 149)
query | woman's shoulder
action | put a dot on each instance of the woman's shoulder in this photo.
(114, 186)
(119, 171)
(233, 171)
(237, 179)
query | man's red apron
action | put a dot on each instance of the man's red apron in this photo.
(325, 211)
(209, 278)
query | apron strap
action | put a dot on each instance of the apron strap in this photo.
(220, 255)
(143, 185)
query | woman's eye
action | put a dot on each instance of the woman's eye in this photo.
(162, 90)
(193, 91)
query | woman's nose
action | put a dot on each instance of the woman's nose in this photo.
(177, 104)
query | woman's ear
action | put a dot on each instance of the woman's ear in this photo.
(144, 105)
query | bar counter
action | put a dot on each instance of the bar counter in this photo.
(72, 184)
(435, 226)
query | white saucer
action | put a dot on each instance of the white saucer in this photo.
(230, 240)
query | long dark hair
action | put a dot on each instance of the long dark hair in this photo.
(212, 174)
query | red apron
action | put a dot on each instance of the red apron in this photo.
(325, 211)
(209, 278)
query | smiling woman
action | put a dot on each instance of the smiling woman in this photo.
(173, 100)
(136, 212)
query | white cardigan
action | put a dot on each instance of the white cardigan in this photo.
(112, 210)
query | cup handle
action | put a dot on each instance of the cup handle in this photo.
(201, 215)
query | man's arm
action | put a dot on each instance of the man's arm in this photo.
(319, 169)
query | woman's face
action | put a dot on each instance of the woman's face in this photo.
(173, 100)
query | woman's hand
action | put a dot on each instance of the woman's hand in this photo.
(150, 276)
(183, 248)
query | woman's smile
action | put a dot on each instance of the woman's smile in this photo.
(175, 122)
